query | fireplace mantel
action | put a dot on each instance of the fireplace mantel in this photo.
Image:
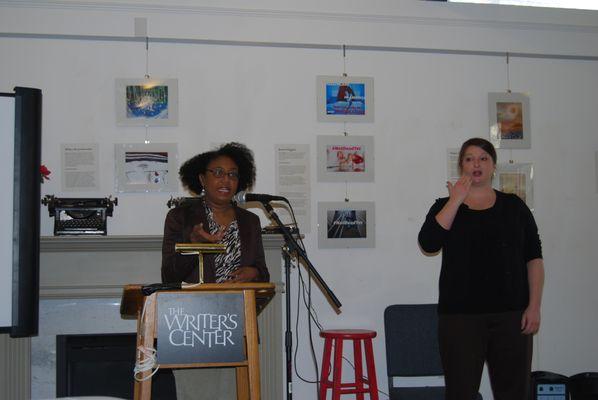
(99, 266)
(75, 267)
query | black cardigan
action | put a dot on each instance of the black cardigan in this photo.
(484, 255)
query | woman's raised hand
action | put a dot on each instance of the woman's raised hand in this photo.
(458, 191)
(199, 235)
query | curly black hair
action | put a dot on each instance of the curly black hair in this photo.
(238, 152)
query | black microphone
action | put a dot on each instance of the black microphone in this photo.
(243, 197)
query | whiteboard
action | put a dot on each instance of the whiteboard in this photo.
(7, 137)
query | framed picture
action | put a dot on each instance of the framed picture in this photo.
(345, 99)
(346, 224)
(345, 158)
(509, 118)
(146, 167)
(517, 178)
(147, 102)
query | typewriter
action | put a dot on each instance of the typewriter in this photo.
(80, 216)
(179, 201)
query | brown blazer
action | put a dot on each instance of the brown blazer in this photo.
(177, 228)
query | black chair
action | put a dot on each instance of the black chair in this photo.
(411, 332)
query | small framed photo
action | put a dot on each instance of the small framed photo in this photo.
(345, 158)
(345, 99)
(517, 178)
(509, 117)
(146, 167)
(452, 165)
(346, 224)
(147, 102)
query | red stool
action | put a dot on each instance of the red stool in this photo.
(362, 384)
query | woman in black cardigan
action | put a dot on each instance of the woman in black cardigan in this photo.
(491, 280)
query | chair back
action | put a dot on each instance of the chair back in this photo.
(411, 332)
(412, 340)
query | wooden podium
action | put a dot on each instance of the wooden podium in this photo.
(255, 296)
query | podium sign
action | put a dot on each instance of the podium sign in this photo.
(200, 329)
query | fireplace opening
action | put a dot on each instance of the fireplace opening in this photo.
(102, 365)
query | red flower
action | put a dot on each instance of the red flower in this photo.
(44, 173)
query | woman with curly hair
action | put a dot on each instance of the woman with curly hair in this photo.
(215, 176)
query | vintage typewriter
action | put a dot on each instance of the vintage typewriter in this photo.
(179, 201)
(79, 216)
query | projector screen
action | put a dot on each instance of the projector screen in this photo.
(7, 149)
(20, 156)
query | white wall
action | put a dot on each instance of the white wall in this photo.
(265, 95)
(7, 138)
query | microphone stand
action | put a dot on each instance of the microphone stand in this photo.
(292, 246)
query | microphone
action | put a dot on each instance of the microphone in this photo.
(243, 197)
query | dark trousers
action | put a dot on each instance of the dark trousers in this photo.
(467, 341)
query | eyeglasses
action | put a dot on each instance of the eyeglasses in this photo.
(220, 173)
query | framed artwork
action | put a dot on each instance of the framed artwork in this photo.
(146, 167)
(346, 225)
(509, 117)
(345, 99)
(147, 102)
(517, 178)
(345, 158)
(452, 165)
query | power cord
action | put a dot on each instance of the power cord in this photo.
(150, 360)
(146, 364)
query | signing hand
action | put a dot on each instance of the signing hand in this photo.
(459, 191)
(244, 274)
(198, 234)
(530, 321)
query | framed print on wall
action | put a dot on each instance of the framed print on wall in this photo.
(345, 158)
(509, 118)
(146, 167)
(345, 99)
(147, 102)
(516, 178)
(346, 224)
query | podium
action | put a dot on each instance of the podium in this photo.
(205, 318)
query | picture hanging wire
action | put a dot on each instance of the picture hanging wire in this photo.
(344, 48)
(147, 74)
(346, 182)
(508, 75)
(344, 61)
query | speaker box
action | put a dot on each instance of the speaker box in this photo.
(549, 386)
(584, 386)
